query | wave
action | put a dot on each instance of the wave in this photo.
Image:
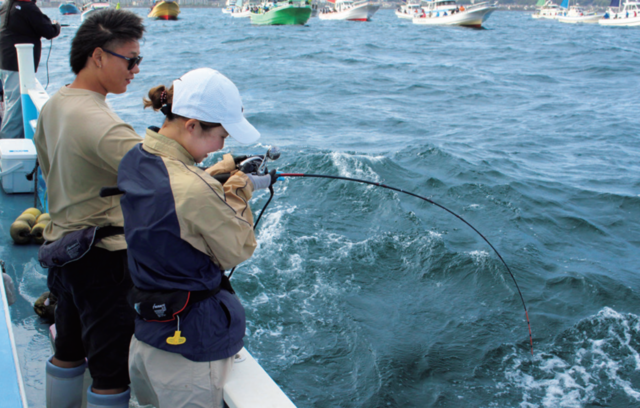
(592, 363)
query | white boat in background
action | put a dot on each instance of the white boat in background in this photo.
(241, 11)
(447, 12)
(409, 10)
(228, 7)
(626, 16)
(90, 8)
(245, 12)
(361, 10)
(577, 15)
(548, 10)
(315, 10)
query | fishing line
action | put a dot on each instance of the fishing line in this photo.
(255, 224)
(48, 55)
(372, 183)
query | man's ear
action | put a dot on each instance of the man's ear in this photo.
(97, 57)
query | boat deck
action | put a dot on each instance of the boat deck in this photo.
(14, 257)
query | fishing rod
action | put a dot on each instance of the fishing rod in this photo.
(376, 184)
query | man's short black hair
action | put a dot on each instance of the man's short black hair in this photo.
(109, 27)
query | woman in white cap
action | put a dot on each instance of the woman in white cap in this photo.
(184, 229)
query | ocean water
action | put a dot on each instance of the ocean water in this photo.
(362, 297)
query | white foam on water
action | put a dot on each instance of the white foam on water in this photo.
(479, 257)
(354, 166)
(30, 281)
(271, 228)
(262, 298)
(597, 355)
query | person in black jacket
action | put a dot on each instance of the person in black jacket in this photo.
(21, 22)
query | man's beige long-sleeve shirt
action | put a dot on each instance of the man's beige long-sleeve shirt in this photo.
(80, 142)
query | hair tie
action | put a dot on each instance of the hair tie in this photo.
(166, 109)
(163, 98)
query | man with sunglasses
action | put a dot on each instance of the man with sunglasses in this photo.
(80, 142)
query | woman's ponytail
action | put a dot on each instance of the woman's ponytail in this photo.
(158, 97)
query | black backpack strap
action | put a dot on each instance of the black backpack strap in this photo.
(109, 231)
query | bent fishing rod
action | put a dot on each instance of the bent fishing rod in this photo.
(273, 154)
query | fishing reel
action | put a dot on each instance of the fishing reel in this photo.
(258, 164)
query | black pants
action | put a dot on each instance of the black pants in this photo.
(93, 318)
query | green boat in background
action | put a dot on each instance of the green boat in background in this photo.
(283, 13)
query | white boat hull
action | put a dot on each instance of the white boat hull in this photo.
(362, 12)
(408, 16)
(242, 14)
(545, 16)
(592, 19)
(473, 18)
(620, 22)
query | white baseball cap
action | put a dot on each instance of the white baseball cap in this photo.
(207, 95)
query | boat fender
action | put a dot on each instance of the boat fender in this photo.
(64, 385)
(20, 232)
(36, 213)
(45, 306)
(9, 288)
(108, 400)
(28, 218)
(43, 218)
(36, 232)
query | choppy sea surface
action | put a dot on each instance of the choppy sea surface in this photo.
(362, 297)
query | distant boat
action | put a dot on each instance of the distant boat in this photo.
(281, 13)
(228, 7)
(241, 11)
(314, 10)
(68, 8)
(547, 10)
(361, 10)
(409, 10)
(447, 12)
(165, 10)
(576, 14)
(626, 16)
(90, 8)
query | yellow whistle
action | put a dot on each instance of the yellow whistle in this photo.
(176, 339)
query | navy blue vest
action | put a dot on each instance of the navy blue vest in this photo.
(160, 260)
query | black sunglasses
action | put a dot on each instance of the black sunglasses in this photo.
(132, 61)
